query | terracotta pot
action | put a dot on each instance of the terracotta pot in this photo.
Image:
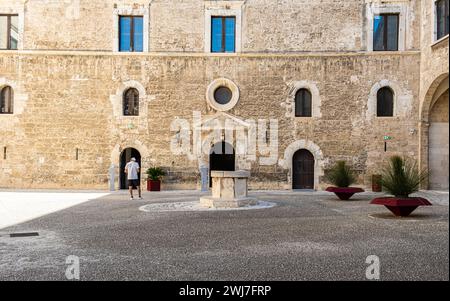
(401, 206)
(153, 185)
(344, 193)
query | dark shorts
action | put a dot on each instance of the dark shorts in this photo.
(133, 183)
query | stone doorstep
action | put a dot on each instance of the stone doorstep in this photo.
(211, 202)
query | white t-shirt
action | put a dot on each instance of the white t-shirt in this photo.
(132, 170)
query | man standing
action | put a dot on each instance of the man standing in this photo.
(132, 170)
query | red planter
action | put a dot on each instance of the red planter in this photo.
(344, 193)
(153, 185)
(401, 206)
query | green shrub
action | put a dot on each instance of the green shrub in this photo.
(341, 175)
(401, 177)
(155, 173)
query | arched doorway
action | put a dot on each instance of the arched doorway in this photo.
(125, 157)
(438, 142)
(222, 157)
(303, 170)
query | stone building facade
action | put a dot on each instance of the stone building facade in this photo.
(68, 77)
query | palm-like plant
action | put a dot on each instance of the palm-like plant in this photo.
(402, 177)
(155, 173)
(341, 175)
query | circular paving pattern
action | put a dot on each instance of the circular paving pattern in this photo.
(195, 206)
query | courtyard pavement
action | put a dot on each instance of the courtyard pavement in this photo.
(306, 236)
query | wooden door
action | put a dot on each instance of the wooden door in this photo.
(303, 170)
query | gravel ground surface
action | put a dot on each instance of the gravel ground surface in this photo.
(306, 236)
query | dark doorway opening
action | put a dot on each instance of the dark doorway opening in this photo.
(222, 157)
(303, 170)
(125, 157)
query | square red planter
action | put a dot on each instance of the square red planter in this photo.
(401, 206)
(153, 185)
(344, 193)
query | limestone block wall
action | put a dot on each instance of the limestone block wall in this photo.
(179, 25)
(69, 106)
(433, 76)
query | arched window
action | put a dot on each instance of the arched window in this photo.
(131, 102)
(303, 103)
(385, 102)
(6, 100)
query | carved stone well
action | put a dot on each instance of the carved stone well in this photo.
(229, 190)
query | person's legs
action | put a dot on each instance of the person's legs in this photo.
(139, 190)
(130, 188)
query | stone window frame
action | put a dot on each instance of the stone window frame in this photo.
(373, 100)
(11, 98)
(20, 99)
(225, 9)
(128, 10)
(118, 98)
(20, 12)
(401, 9)
(316, 101)
(222, 82)
(434, 38)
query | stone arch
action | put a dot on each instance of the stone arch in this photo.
(402, 100)
(438, 86)
(116, 154)
(117, 99)
(314, 149)
(429, 99)
(294, 87)
(20, 99)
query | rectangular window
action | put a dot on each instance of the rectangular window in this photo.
(385, 32)
(223, 34)
(131, 33)
(442, 18)
(9, 32)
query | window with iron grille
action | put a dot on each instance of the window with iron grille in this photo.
(6, 100)
(385, 32)
(9, 32)
(442, 18)
(385, 102)
(131, 102)
(303, 103)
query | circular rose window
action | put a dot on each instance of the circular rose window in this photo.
(222, 94)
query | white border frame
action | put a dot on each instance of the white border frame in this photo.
(388, 8)
(434, 38)
(128, 10)
(20, 11)
(226, 9)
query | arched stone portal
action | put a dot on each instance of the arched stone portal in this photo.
(438, 142)
(432, 133)
(303, 170)
(222, 157)
(125, 157)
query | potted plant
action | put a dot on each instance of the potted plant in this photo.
(341, 176)
(400, 178)
(154, 178)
